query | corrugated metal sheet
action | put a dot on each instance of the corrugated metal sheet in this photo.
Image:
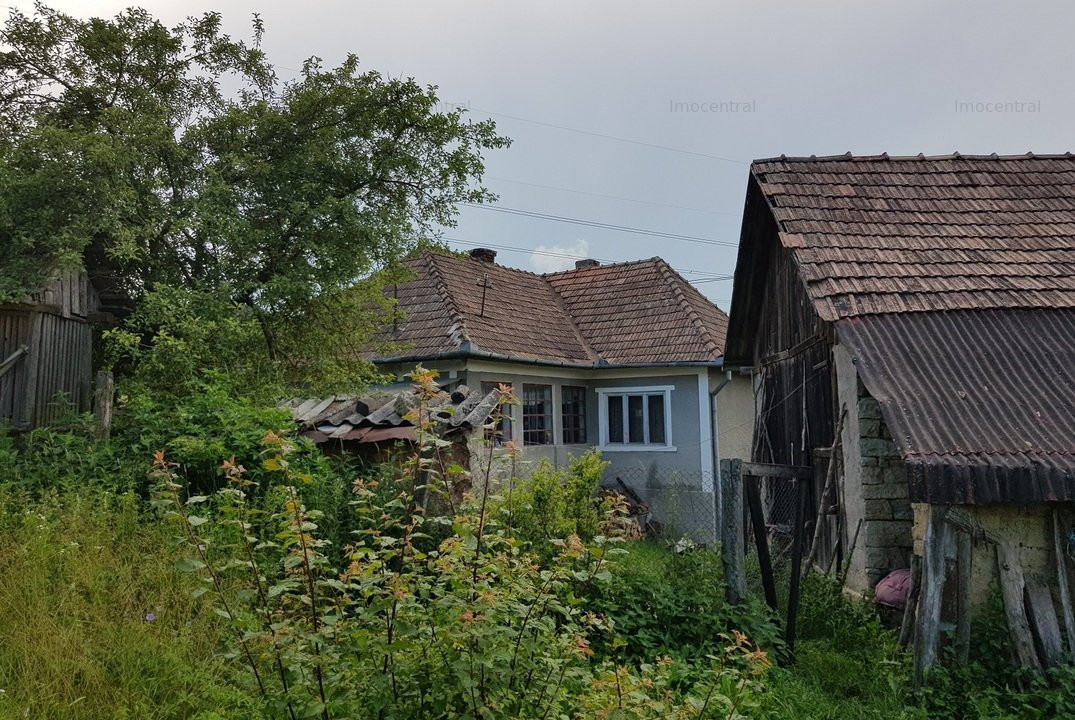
(980, 403)
(382, 416)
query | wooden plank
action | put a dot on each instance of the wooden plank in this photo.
(927, 635)
(787, 472)
(830, 480)
(1043, 622)
(731, 531)
(1066, 611)
(1012, 584)
(752, 487)
(912, 602)
(102, 405)
(964, 560)
(796, 566)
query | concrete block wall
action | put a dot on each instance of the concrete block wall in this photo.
(888, 520)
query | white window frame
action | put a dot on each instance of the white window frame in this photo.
(645, 391)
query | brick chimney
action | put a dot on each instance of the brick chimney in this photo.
(483, 255)
(587, 263)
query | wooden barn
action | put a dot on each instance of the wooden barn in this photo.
(46, 352)
(913, 319)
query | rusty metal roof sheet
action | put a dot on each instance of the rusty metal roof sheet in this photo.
(382, 416)
(980, 403)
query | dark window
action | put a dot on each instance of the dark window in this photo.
(636, 418)
(537, 414)
(615, 418)
(501, 433)
(573, 414)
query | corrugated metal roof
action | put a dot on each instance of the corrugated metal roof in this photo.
(382, 416)
(980, 403)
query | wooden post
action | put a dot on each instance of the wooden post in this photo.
(796, 565)
(1043, 622)
(964, 560)
(731, 530)
(102, 403)
(761, 538)
(1012, 585)
(907, 623)
(830, 479)
(927, 632)
(1066, 611)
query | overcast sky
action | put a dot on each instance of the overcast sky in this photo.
(752, 79)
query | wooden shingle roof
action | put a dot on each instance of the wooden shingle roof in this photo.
(633, 313)
(886, 234)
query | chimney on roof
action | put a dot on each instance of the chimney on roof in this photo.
(587, 263)
(483, 255)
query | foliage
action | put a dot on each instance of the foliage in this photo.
(122, 151)
(554, 503)
(662, 602)
(474, 626)
(95, 620)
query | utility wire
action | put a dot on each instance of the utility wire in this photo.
(710, 277)
(613, 197)
(614, 137)
(604, 226)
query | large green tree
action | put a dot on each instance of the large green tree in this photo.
(176, 158)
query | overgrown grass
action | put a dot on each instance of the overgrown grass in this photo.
(96, 622)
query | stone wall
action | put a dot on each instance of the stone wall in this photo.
(887, 519)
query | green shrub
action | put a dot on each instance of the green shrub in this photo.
(665, 603)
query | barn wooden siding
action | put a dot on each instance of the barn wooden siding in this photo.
(54, 375)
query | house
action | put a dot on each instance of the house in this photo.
(627, 358)
(46, 350)
(932, 300)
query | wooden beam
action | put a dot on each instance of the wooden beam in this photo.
(908, 622)
(830, 479)
(731, 531)
(102, 404)
(787, 472)
(1066, 610)
(1012, 585)
(752, 487)
(1043, 622)
(13, 358)
(927, 635)
(964, 560)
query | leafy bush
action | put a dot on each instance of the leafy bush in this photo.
(474, 626)
(554, 503)
(665, 603)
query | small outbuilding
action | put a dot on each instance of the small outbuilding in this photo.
(913, 318)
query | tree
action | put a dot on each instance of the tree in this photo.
(121, 149)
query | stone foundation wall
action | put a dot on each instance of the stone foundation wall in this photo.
(888, 519)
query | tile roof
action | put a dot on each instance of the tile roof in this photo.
(980, 403)
(886, 234)
(627, 313)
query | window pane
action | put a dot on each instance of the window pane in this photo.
(537, 414)
(615, 418)
(656, 420)
(573, 408)
(635, 419)
(502, 432)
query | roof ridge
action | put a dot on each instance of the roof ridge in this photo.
(457, 331)
(848, 156)
(674, 279)
(621, 263)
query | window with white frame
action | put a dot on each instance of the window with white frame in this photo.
(636, 418)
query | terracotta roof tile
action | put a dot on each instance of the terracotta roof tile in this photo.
(627, 313)
(885, 234)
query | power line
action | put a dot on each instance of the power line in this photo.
(604, 226)
(711, 277)
(613, 197)
(614, 137)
